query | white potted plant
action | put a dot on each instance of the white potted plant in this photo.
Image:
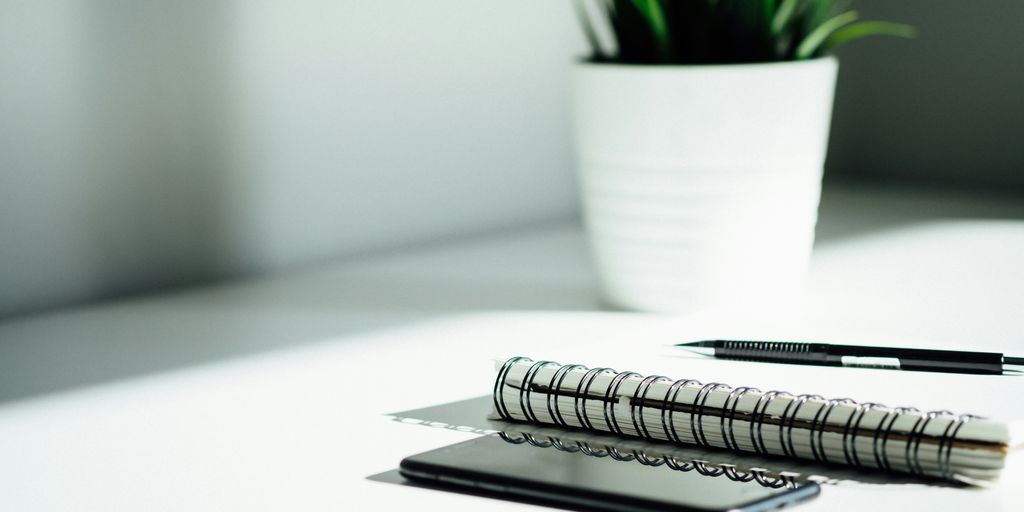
(701, 131)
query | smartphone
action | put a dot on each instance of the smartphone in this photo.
(595, 479)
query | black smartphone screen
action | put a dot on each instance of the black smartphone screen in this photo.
(594, 478)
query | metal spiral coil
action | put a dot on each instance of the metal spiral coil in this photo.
(641, 401)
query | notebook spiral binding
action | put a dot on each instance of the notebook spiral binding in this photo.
(850, 431)
(761, 476)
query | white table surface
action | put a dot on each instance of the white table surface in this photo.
(271, 393)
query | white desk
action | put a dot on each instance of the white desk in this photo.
(270, 394)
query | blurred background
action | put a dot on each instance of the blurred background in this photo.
(148, 145)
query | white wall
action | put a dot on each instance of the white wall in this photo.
(149, 143)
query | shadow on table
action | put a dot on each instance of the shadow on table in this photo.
(853, 209)
(96, 344)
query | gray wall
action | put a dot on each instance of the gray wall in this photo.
(947, 106)
(150, 143)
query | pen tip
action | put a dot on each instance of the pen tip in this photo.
(1017, 361)
(698, 344)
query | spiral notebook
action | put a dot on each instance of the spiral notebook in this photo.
(937, 444)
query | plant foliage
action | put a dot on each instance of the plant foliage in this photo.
(723, 31)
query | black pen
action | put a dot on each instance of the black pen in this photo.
(824, 354)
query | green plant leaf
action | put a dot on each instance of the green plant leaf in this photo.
(655, 16)
(783, 15)
(861, 29)
(810, 45)
(767, 13)
(588, 29)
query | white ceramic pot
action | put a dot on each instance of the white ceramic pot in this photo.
(700, 184)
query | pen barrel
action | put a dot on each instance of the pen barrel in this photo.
(951, 361)
(926, 360)
(777, 352)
